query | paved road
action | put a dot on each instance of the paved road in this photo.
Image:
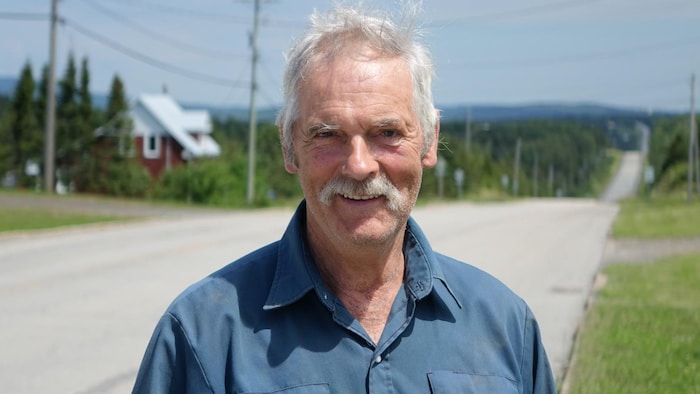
(627, 178)
(78, 305)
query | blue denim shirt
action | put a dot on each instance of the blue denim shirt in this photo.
(267, 324)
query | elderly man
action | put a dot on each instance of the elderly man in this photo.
(352, 298)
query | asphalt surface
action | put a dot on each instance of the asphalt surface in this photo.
(79, 304)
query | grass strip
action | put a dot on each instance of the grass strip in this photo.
(33, 219)
(659, 217)
(643, 333)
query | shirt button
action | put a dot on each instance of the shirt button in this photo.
(378, 360)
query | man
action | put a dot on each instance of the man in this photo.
(352, 298)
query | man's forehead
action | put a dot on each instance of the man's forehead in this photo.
(365, 60)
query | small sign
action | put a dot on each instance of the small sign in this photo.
(31, 168)
(459, 177)
(649, 175)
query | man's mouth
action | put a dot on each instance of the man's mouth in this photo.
(360, 198)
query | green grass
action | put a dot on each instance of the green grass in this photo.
(667, 216)
(643, 334)
(12, 219)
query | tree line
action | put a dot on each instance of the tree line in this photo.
(87, 158)
(668, 155)
(496, 160)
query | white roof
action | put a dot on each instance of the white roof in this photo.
(180, 123)
(196, 121)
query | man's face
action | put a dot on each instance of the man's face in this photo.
(358, 149)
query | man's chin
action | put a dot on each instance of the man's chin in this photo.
(370, 231)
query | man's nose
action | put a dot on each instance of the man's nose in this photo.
(360, 162)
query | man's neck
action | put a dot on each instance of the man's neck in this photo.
(365, 279)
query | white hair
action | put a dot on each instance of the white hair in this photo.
(329, 34)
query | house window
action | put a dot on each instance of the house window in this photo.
(151, 146)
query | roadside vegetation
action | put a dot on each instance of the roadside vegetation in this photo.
(659, 217)
(642, 336)
(14, 219)
(641, 333)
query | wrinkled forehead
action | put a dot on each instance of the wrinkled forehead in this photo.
(348, 45)
(356, 71)
(357, 60)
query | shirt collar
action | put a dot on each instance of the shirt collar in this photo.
(296, 273)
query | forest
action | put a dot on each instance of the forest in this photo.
(483, 160)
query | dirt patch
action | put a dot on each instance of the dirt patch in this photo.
(100, 206)
(634, 250)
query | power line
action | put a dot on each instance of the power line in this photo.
(603, 55)
(24, 16)
(519, 12)
(270, 77)
(209, 16)
(187, 12)
(152, 61)
(170, 41)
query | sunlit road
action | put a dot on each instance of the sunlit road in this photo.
(627, 178)
(78, 305)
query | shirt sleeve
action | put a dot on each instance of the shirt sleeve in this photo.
(536, 370)
(170, 364)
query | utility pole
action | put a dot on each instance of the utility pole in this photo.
(252, 118)
(696, 155)
(49, 138)
(692, 154)
(516, 169)
(468, 131)
(535, 175)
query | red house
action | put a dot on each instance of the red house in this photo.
(165, 135)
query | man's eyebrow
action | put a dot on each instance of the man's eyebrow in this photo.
(386, 123)
(322, 126)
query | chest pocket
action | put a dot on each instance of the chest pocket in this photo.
(318, 388)
(448, 382)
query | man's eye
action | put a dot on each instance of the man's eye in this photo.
(324, 134)
(392, 136)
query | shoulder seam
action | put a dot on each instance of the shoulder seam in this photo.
(192, 349)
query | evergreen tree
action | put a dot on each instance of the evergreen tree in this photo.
(66, 112)
(117, 103)
(117, 115)
(69, 143)
(25, 134)
(40, 101)
(110, 169)
(85, 107)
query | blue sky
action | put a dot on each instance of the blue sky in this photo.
(627, 53)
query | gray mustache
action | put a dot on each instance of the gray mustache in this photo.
(379, 185)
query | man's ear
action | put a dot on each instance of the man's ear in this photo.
(430, 158)
(287, 155)
(290, 167)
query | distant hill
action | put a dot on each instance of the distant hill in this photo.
(492, 113)
(479, 113)
(7, 86)
(239, 113)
